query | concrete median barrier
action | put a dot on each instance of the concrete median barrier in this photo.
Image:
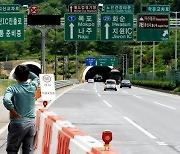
(57, 135)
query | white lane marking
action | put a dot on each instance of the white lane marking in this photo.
(140, 128)
(125, 92)
(96, 91)
(137, 96)
(4, 128)
(99, 95)
(95, 86)
(51, 102)
(158, 92)
(165, 105)
(161, 143)
(107, 103)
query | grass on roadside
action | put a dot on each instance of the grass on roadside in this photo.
(4, 85)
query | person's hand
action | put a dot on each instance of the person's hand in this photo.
(14, 114)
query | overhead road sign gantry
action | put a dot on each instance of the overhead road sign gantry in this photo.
(9, 8)
(80, 27)
(107, 61)
(90, 61)
(116, 27)
(114, 8)
(43, 19)
(152, 27)
(11, 27)
(83, 8)
(155, 9)
(117, 23)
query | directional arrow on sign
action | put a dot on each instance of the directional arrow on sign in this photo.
(71, 30)
(107, 30)
(165, 33)
(71, 8)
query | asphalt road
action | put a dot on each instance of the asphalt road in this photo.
(142, 121)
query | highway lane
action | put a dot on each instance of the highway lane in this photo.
(142, 121)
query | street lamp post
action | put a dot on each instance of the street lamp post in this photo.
(126, 63)
(176, 13)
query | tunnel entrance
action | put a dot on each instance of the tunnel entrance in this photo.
(34, 69)
(98, 73)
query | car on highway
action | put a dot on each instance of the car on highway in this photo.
(110, 84)
(125, 83)
(90, 80)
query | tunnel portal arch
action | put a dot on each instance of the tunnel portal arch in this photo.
(92, 71)
(33, 66)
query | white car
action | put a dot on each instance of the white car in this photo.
(110, 84)
(90, 80)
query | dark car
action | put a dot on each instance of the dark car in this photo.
(125, 83)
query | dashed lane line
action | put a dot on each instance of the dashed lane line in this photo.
(165, 105)
(4, 128)
(99, 95)
(107, 103)
(137, 96)
(140, 128)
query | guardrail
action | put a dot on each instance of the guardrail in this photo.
(64, 83)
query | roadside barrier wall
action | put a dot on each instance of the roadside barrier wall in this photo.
(55, 135)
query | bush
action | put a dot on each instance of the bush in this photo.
(165, 85)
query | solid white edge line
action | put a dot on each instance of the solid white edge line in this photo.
(99, 95)
(161, 143)
(164, 105)
(125, 92)
(137, 96)
(107, 103)
(4, 128)
(140, 128)
(51, 102)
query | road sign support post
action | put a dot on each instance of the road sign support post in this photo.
(175, 48)
(153, 59)
(141, 59)
(76, 50)
(43, 47)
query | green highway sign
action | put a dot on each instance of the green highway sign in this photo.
(9, 7)
(107, 61)
(116, 27)
(155, 9)
(80, 27)
(11, 27)
(152, 27)
(115, 8)
(83, 8)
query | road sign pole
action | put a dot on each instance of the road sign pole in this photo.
(153, 58)
(43, 47)
(76, 59)
(141, 59)
(176, 13)
(133, 61)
